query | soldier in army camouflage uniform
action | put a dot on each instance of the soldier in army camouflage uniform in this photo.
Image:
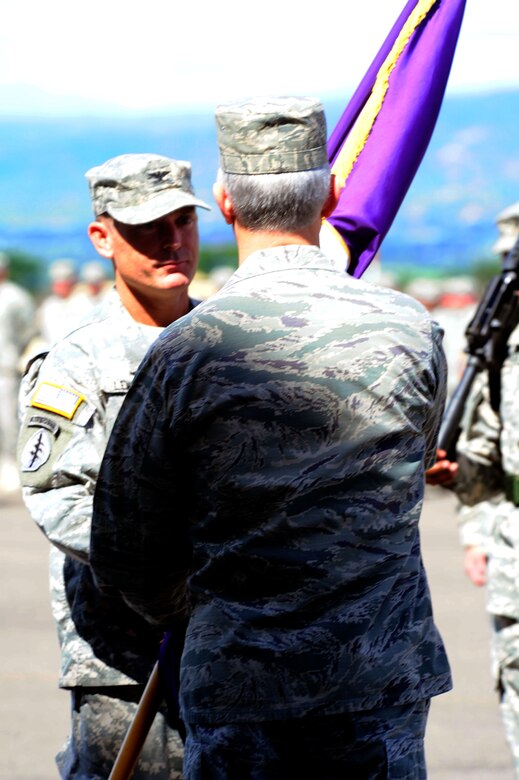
(146, 224)
(486, 480)
(16, 331)
(267, 475)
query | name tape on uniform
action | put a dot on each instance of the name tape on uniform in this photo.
(57, 399)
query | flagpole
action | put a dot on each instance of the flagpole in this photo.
(139, 728)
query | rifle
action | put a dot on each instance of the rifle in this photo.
(487, 337)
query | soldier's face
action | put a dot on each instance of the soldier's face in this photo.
(162, 254)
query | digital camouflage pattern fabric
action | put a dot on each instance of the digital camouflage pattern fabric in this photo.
(16, 330)
(138, 188)
(387, 743)
(271, 450)
(271, 135)
(161, 757)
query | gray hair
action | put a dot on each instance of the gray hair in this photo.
(277, 201)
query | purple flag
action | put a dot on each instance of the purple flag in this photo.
(381, 138)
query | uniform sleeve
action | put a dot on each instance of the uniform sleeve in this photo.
(438, 393)
(476, 524)
(140, 542)
(480, 481)
(480, 476)
(25, 326)
(61, 443)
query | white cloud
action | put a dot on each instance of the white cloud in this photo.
(165, 55)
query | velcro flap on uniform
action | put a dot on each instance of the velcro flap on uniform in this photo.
(57, 399)
(115, 385)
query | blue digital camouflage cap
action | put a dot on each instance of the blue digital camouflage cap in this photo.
(271, 135)
(138, 188)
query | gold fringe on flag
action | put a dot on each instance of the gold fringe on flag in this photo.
(361, 130)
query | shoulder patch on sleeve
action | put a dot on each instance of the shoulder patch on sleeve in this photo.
(57, 399)
(36, 451)
(39, 421)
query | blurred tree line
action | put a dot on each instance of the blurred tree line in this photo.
(481, 271)
(26, 270)
(217, 255)
(30, 271)
(484, 270)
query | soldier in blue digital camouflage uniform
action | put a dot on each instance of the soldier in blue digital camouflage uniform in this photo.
(265, 477)
(146, 224)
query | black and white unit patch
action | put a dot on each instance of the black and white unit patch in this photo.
(37, 451)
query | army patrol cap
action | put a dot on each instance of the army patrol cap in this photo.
(508, 225)
(138, 188)
(93, 272)
(271, 135)
(62, 270)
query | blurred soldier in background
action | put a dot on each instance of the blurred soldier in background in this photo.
(57, 314)
(425, 290)
(205, 285)
(508, 226)
(146, 224)
(16, 330)
(487, 484)
(95, 286)
(96, 280)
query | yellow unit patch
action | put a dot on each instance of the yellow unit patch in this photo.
(60, 400)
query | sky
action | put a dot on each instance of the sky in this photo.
(109, 57)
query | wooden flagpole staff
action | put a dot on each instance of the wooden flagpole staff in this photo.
(139, 728)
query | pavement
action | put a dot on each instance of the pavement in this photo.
(464, 738)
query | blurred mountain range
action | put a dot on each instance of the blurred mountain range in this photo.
(446, 223)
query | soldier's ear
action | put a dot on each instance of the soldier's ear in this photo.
(224, 202)
(333, 197)
(101, 237)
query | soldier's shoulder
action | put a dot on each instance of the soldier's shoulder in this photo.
(94, 334)
(395, 303)
(75, 358)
